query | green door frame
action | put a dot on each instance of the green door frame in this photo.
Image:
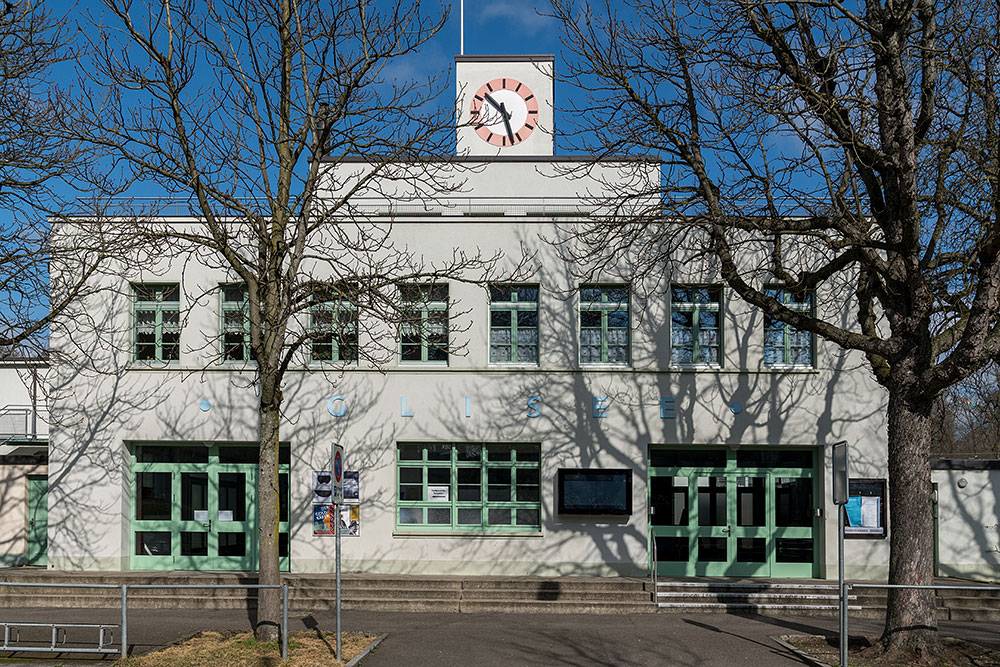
(731, 531)
(37, 534)
(213, 525)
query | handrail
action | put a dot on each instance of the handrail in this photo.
(124, 608)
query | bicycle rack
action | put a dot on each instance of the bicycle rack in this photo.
(12, 637)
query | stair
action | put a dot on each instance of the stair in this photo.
(813, 598)
(416, 593)
(567, 595)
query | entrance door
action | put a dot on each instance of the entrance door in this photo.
(726, 512)
(195, 508)
(38, 520)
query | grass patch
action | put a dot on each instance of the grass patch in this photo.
(215, 649)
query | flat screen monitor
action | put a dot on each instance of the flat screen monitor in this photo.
(595, 491)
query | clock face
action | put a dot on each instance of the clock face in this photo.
(504, 112)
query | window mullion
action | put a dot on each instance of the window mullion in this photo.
(696, 356)
(513, 334)
(604, 335)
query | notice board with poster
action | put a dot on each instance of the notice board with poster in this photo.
(323, 511)
(865, 509)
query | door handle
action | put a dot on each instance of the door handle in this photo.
(31, 523)
(725, 529)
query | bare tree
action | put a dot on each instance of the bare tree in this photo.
(39, 169)
(815, 145)
(967, 417)
(248, 110)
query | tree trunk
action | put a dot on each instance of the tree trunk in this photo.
(268, 600)
(911, 619)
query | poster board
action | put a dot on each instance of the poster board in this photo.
(866, 509)
(350, 520)
(323, 509)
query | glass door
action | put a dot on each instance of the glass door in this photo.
(195, 508)
(733, 512)
(752, 525)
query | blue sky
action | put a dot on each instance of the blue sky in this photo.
(503, 27)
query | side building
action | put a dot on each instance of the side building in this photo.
(24, 432)
(558, 425)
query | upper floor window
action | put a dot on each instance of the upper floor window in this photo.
(334, 323)
(695, 325)
(514, 324)
(424, 327)
(235, 323)
(604, 325)
(784, 345)
(157, 318)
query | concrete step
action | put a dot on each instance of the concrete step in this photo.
(752, 598)
(555, 607)
(968, 614)
(566, 584)
(549, 595)
(753, 608)
(946, 593)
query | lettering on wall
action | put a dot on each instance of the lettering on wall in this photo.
(337, 407)
(600, 407)
(534, 407)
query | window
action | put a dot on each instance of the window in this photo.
(334, 329)
(157, 313)
(784, 345)
(235, 323)
(514, 324)
(468, 487)
(695, 325)
(604, 327)
(424, 329)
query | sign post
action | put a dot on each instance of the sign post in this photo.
(337, 470)
(840, 493)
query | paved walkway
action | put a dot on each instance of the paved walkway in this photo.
(501, 640)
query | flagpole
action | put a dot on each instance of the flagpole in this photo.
(461, 27)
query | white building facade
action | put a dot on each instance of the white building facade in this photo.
(558, 425)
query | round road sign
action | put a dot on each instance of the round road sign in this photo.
(338, 467)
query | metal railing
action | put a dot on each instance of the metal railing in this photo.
(652, 542)
(20, 421)
(56, 644)
(846, 590)
(155, 206)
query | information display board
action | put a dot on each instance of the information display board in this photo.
(595, 491)
(866, 509)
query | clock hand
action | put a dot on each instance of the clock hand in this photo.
(498, 107)
(506, 123)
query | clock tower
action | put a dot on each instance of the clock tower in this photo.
(505, 105)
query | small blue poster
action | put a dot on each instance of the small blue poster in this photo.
(853, 508)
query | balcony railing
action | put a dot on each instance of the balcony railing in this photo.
(23, 422)
(377, 206)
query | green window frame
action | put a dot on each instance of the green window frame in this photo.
(604, 324)
(784, 345)
(156, 310)
(423, 335)
(334, 331)
(696, 332)
(162, 514)
(235, 312)
(468, 487)
(514, 324)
